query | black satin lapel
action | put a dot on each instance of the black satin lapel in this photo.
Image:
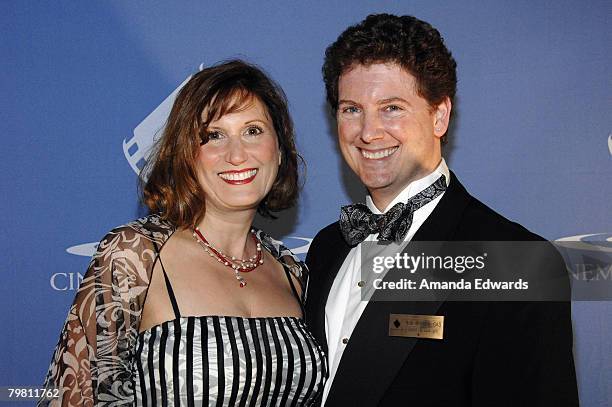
(443, 221)
(372, 358)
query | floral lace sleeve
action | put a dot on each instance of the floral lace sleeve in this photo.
(92, 362)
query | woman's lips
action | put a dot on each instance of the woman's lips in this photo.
(238, 177)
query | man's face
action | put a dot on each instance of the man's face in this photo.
(388, 134)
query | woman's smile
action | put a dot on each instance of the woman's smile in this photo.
(239, 177)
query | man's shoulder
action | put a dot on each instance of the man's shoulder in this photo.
(330, 233)
(480, 222)
(325, 240)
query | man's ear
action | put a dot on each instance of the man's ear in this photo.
(441, 116)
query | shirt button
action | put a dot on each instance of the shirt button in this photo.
(361, 283)
(345, 340)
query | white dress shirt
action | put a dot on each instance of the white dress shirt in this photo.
(344, 304)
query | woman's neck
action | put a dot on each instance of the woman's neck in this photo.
(228, 231)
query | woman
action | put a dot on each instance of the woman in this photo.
(191, 303)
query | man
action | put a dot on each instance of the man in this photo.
(391, 82)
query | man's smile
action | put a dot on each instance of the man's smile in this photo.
(378, 154)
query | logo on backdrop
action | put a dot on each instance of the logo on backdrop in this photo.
(588, 257)
(65, 281)
(138, 148)
(136, 151)
(602, 240)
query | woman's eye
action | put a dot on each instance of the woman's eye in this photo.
(214, 135)
(253, 131)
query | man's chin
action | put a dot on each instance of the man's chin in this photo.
(377, 185)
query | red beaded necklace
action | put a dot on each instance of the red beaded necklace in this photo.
(237, 265)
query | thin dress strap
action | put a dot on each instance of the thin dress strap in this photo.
(175, 308)
(288, 273)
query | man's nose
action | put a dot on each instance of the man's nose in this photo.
(371, 128)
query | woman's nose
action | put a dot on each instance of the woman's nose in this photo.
(236, 154)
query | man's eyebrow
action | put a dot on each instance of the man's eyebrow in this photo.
(380, 102)
(393, 99)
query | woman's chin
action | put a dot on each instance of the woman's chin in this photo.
(243, 204)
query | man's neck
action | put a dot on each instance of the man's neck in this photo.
(382, 199)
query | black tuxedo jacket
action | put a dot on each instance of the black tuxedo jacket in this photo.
(492, 354)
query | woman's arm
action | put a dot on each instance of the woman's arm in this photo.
(92, 362)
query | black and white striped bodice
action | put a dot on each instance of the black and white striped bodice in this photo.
(227, 361)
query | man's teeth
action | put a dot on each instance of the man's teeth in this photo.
(237, 176)
(375, 155)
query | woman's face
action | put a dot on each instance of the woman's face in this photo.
(238, 165)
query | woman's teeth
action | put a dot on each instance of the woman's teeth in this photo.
(376, 155)
(238, 176)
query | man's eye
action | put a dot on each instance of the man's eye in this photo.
(253, 131)
(393, 108)
(350, 109)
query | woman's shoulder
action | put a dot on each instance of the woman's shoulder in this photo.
(283, 254)
(148, 231)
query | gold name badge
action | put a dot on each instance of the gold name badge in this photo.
(416, 326)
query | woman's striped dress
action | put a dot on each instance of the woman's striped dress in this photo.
(227, 361)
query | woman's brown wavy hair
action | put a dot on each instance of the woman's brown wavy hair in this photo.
(172, 187)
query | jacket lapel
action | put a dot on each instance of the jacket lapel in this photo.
(372, 357)
(443, 221)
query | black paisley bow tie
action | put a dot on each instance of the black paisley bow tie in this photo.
(357, 221)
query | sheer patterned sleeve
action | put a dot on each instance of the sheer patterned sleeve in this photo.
(299, 271)
(296, 267)
(92, 362)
